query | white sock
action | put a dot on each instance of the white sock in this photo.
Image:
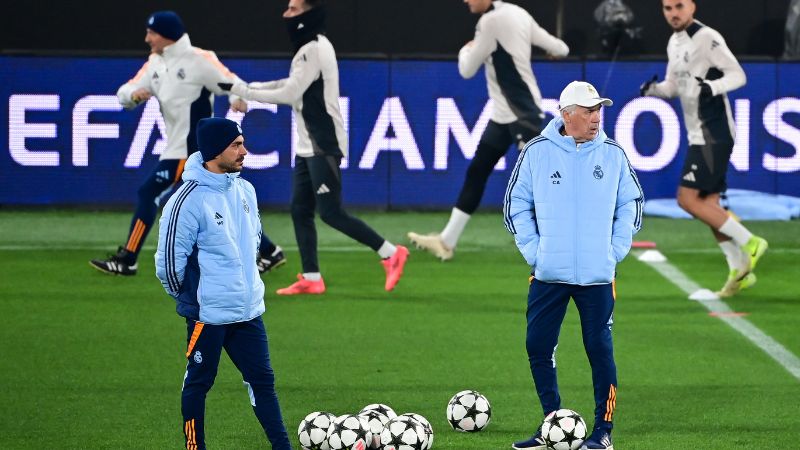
(312, 276)
(736, 231)
(387, 250)
(455, 226)
(734, 255)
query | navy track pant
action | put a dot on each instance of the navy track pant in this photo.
(152, 194)
(547, 306)
(246, 345)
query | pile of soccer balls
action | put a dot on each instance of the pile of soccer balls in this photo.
(376, 426)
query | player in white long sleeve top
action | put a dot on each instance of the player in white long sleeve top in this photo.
(701, 71)
(503, 39)
(184, 80)
(312, 89)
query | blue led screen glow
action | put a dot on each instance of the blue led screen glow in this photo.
(412, 125)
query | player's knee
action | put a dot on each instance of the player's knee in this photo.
(300, 211)
(333, 216)
(686, 201)
(599, 350)
(537, 349)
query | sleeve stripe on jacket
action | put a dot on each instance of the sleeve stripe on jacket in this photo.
(514, 176)
(637, 223)
(172, 275)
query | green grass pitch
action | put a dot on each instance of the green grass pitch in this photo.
(90, 361)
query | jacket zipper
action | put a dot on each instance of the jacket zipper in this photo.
(575, 166)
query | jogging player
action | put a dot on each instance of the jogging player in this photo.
(312, 89)
(184, 80)
(701, 71)
(502, 43)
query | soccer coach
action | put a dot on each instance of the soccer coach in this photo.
(573, 204)
(206, 259)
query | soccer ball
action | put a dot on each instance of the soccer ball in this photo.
(349, 432)
(469, 411)
(426, 426)
(564, 430)
(403, 433)
(376, 421)
(313, 431)
(381, 408)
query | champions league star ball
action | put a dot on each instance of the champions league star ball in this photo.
(403, 433)
(426, 427)
(313, 431)
(349, 432)
(469, 411)
(376, 421)
(381, 408)
(564, 430)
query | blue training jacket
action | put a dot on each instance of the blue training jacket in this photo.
(573, 210)
(208, 240)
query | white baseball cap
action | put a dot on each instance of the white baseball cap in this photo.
(583, 94)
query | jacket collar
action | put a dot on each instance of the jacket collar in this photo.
(195, 171)
(177, 49)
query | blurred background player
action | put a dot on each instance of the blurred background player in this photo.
(701, 71)
(312, 90)
(209, 234)
(573, 171)
(503, 39)
(183, 79)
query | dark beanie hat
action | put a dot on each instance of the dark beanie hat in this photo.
(167, 24)
(214, 135)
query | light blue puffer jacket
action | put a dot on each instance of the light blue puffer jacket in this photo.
(207, 244)
(573, 210)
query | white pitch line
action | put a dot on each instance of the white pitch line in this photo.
(721, 310)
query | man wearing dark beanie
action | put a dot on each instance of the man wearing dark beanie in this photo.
(313, 91)
(184, 80)
(209, 235)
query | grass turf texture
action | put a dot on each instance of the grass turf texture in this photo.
(95, 361)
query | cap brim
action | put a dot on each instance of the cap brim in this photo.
(591, 103)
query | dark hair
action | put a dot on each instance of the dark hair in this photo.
(314, 3)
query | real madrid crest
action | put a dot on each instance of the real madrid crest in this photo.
(246, 207)
(598, 172)
(181, 73)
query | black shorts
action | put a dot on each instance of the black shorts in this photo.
(706, 167)
(501, 136)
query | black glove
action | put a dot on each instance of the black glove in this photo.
(646, 85)
(705, 89)
(225, 86)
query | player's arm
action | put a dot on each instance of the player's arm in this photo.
(305, 70)
(177, 237)
(628, 209)
(137, 89)
(274, 84)
(721, 57)
(554, 46)
(665, 89)
(519, 212)
(215, 74)
(472, 55)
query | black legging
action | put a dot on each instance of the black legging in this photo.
(495, 141)
(317, 185)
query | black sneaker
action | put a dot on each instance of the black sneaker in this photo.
(116, 264)
(273, 261)
(536, 442)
